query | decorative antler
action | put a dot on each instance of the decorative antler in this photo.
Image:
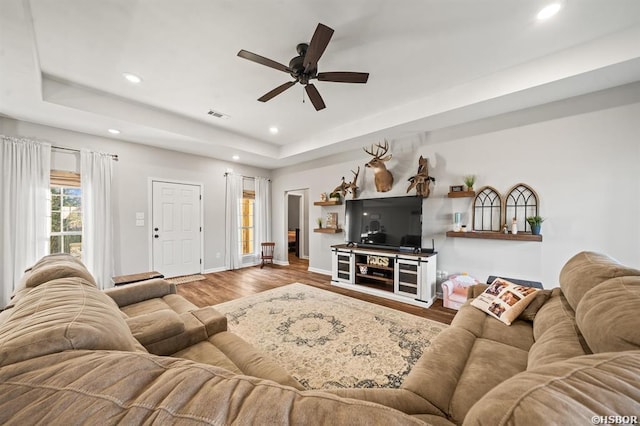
(421, 180)
(378, 155)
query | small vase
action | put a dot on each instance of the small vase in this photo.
(535, 229)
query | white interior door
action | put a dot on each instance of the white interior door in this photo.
(176, 228)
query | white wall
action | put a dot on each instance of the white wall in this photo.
(137, 163)
(584, 168)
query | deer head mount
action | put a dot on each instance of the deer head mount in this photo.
(421, 180)
(382, 177)
(350, 187)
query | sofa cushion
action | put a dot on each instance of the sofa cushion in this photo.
(608, 315)
(586, 270)
(67, 313)
(155, 326)
(519, 334)
(173, 302)
(504, 300)
(556, 334)
(56, 266)
(570, 392)
(98, 387)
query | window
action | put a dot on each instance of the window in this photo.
(247, 209)
(66, 214)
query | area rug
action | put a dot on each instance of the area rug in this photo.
(186, 279)
(326, 340)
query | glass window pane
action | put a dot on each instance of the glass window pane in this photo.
(55, 203)
(71, 201)
(73, 245)
(55, 244)
(55, 223)
(55, 190)
(72, 221)
(72, 191)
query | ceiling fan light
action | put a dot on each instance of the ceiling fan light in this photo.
(273, 130)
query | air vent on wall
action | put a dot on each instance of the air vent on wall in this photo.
(217, 114)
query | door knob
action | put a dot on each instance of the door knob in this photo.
(155, 229)
(156, 236)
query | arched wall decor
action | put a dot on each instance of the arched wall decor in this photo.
(487, 210)
(521, 202)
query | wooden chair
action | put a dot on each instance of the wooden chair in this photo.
(267, 253)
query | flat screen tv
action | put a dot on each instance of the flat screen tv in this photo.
(384, 222)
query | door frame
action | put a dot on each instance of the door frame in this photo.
(304, 227)
(150, 182)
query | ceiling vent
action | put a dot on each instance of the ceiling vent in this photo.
(217, 114)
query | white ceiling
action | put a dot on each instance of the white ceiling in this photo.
(432, 64)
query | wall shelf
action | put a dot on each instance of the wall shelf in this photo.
(328, 230)
(461, 194)
(327, 203)
(492, 235)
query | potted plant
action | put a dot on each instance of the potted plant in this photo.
(469, 180)
(334, 196)
(535, 222)
(319, 222)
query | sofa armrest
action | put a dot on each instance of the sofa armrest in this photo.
(155, 326)
(140, 291)
(475, 290)
(214, 322)
(447, 288)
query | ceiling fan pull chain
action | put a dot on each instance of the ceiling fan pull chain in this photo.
(302, 95)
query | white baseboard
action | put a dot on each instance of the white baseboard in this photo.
(319, 271)
(213, 270)
(281, 262)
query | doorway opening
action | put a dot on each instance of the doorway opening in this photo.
(296, 227)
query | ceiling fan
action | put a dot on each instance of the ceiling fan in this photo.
(304, 68)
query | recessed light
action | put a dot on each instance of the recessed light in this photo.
(548, 11)
(114, 131)
(273, 130)
(236, 157)
(132, 77)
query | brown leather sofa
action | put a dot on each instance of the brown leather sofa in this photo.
(69, 353)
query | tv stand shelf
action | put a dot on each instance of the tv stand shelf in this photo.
(402, 276)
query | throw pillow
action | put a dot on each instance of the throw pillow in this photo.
(504, 300)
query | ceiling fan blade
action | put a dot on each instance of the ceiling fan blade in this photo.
(344, 77)
(263, 61)
(275, 92)
(315, 97)
(317, 46)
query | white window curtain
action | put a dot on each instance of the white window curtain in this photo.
(24, 208)
(232, 257)
(262, 212)
(96, 171)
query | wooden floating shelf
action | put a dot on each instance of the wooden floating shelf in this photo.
(327, 203)
(491, 235)
(328, 230)
(461, 194)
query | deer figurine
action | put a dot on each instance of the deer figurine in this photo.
(421, 180)
(351, 187)
(382, 177)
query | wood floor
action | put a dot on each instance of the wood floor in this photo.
(229, 285)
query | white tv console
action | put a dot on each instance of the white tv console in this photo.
(402, 276)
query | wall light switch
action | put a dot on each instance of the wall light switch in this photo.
(139, 222)
(139, 215)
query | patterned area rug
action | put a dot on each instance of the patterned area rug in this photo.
(326, 340)
(186, 279)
